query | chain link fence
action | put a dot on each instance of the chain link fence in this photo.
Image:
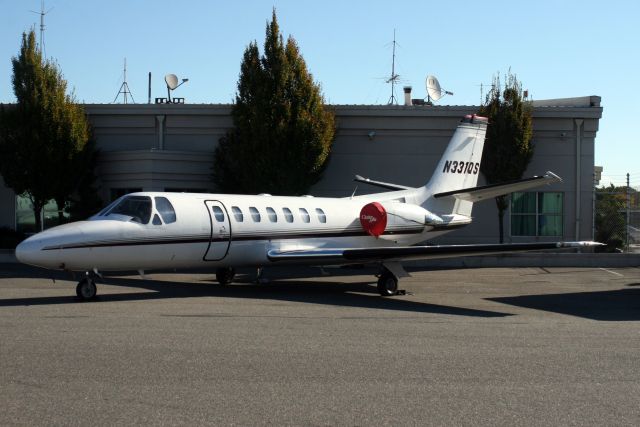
(617, 218)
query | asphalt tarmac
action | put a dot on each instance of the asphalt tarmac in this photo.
(521, 346)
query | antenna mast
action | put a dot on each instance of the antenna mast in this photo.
(124, 87)
(42, 13)
(394, 77)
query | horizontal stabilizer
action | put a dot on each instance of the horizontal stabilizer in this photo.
(484, 192)
(399, 253)
(381, 184)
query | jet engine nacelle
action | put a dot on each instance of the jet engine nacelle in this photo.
(376, 217)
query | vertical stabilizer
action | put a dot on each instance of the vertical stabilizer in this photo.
(459, 166)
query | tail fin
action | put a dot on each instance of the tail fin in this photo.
(459, 167)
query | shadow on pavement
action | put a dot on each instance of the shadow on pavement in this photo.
(313, 291)
(616, 305)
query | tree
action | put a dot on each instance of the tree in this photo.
(508, 149)
(283, 132)
(610, 215)
(44, 136)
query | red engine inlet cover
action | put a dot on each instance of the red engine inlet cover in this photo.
(373, 218)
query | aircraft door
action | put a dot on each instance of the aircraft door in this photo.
(220, 238)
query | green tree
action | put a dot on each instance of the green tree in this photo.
(610, 215)
(508, 149)
(283, 132)
(44, 136)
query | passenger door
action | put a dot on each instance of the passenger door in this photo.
(220, 238)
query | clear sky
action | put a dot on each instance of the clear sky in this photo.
(559, 48)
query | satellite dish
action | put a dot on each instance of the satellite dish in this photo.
(171, 80)
(433, 88)
(434, 91)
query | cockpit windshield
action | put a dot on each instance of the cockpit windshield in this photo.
(137, 207)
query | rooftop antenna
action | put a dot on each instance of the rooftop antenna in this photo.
(42, 13)
(124, 87)
(394, 77)
(434, 90)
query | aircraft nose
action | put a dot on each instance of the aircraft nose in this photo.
(30, 252)
(27, 251)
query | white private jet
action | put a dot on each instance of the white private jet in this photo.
(154, 230)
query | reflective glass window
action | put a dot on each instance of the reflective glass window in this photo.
(137, 207)
(288, 216)
(165, 209)
(321, 215)
(255, 215)
(156, 220)
(537, 214)
(217, 212)
(273, 217)
(305, 215)
(237, 213)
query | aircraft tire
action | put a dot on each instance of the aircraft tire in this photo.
(86, 289)
(225, 275)
(387, 284)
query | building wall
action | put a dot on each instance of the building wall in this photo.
(158, 147)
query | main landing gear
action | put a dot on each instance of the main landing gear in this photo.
(225, 275)
(387, 284)
(86, 289)
(390, 272)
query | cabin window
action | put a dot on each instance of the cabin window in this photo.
(321, 215)
(305, 215)
(288, 216)
(237, 213)
(255, 215)
(137, 207)
(273, 217)
(165, 209)
(103, 211)
(156, 220)
(217, 212)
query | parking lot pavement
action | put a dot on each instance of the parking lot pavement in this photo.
(522, 346)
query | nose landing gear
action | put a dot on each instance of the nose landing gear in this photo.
(86, 289)
(225, 275)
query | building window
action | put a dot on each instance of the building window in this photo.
(237, 213)
(272, 215)
(25, 220)
(537, 214)
(255, 215)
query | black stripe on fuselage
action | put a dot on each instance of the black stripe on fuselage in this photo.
(235, 238)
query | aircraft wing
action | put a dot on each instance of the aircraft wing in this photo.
(400, 253)
(476, 194)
